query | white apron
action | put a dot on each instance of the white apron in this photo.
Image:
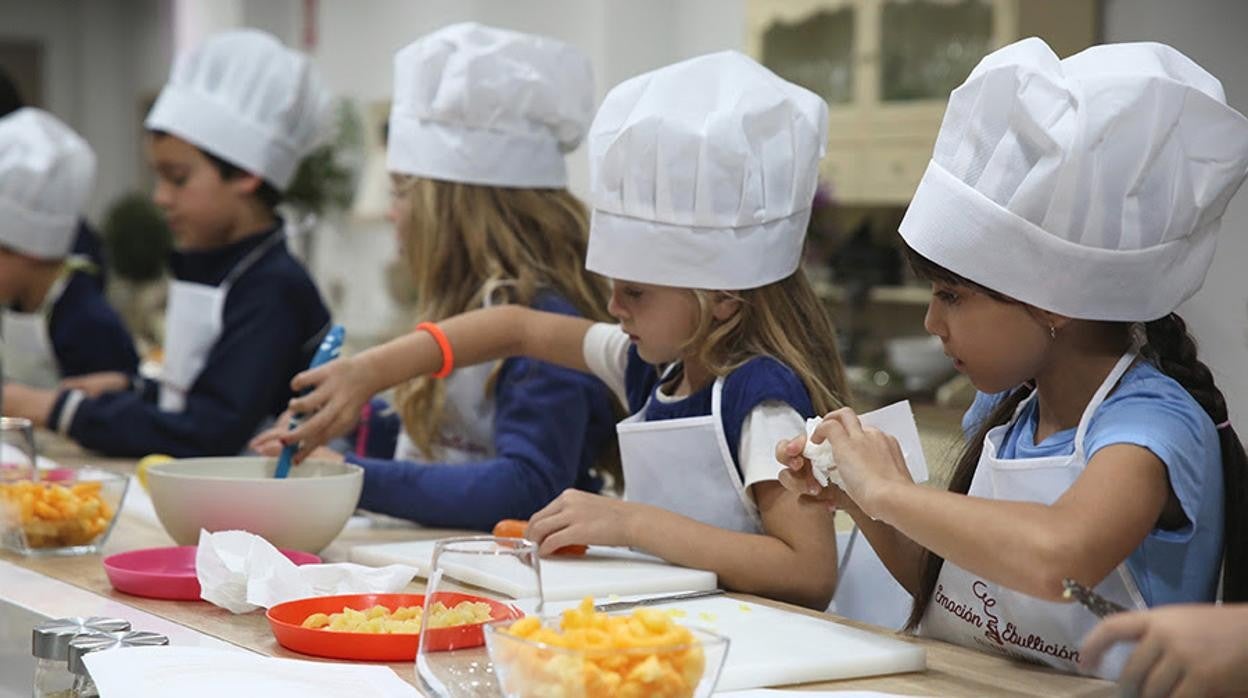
(29, 357)
(973, 612)
(466, 432)
(685, 466)
(193, 322)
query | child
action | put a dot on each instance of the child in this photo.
(1183, 650)
(225, 136)
(484, 218)
(703, 176)
(87, 253)
(55, 321)
(1069, 208)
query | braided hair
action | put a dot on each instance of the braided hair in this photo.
(1169, 346)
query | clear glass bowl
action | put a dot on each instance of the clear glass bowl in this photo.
(71, 514)
(530, 669)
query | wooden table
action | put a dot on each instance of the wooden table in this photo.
(952, 670)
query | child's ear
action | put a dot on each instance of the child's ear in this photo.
(725, 305)
(1051, 320)
(245, 183)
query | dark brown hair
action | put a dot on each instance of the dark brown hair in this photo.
(1172, 350)
(268, 194)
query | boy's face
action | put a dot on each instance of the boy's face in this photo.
(201, 207)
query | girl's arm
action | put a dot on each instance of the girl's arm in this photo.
(341, 387)
(901, 556)
(794, 561)
(1030, 547)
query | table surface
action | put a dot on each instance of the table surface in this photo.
(951, 670)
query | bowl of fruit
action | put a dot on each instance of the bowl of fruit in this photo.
(588, 653)
(72, 514)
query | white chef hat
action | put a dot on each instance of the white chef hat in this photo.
(488, 106)
(46, 174)
(247, 99)
(1092, 187)
(702, 175)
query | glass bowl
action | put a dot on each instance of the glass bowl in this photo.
(70, 514)
(531, 669)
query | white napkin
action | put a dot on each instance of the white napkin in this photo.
(896, 420)
(197, 672)
(241, 572)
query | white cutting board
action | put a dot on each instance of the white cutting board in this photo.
(772, 647)
(602, 572)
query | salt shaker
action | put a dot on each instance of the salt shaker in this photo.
(49, 643)
(84, 686)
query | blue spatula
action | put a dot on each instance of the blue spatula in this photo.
(329, 349)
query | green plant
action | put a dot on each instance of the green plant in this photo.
(137, 238)
(326, 178)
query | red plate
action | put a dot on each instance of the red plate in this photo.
(286, 620)
(167, 573)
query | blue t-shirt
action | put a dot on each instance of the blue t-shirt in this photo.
(1151, 410)
(758, 380)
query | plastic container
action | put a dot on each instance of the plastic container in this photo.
(286, 621)
(49, 644)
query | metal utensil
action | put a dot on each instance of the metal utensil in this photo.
(654, 600)
(1094, 602)
(328, 350)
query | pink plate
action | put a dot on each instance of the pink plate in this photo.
(167, 573)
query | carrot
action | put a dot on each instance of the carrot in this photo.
(517, 528)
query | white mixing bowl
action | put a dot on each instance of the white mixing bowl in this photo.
(304, 511)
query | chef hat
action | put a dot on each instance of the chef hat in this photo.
(46, 174)
(703, 173)
(488, 106)
(1092, 187)
(247, 99)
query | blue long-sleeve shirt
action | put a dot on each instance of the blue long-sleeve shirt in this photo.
(272, 319)
(86, 332)
(550, 426)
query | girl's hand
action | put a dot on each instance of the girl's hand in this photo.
(338, 390)
(581, 518)
(797, 477)
(96, 384)
(868, 460)
(1182, 650)
(269, 441)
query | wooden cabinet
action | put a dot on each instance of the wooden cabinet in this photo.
(886, 68)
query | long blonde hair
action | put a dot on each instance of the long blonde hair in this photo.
(783, 320)
(458, 238)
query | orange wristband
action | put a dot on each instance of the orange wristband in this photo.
(448, 356)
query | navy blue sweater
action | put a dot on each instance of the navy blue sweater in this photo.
(272, 321)
(86, 332)
(550, 426)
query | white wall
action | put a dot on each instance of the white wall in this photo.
(1212, 33)
(98, 57)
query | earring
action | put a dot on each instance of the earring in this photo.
(1052, 331)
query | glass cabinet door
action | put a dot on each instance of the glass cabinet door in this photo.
(815, 51)
(928, 47)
